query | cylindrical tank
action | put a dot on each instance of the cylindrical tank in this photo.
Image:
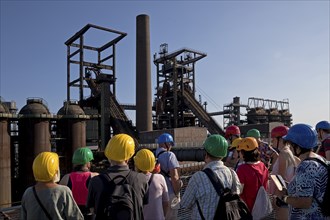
(143, 75)
(5, 176)
(71, 130)
(34, 138)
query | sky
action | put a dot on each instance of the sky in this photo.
(277, 50)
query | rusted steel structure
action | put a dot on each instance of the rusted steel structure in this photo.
(98, 77)
(175, 102)
(34, 138)
(5, 162)
(71, 132)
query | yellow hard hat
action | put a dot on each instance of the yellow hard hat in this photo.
(145, 160)
(248, 144)
(121, 147)
(236, 142)
(45, 166)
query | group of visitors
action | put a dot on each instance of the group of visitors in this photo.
(295, 155)
(243, 165)
(83, 194)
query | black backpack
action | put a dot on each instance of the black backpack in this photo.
(230, 205)
(120, 201)
(325, 204)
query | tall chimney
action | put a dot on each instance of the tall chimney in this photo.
(143, 75)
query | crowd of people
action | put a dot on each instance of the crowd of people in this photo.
(243, 164)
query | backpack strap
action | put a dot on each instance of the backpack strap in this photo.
(149, 182)
(216, 182)
(109, 179)
(40, 204)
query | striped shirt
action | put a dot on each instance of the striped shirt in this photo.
(200, 188)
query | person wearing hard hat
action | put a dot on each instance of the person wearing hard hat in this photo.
(232, 133)
(285, 165)
(237, 158)
(169, 166)
(47, 199)
(200, 192)
(119, 151)
(253, 173)
(306, 191)
(78, 180)
(158, 205)
(323, 131)
(268, 154)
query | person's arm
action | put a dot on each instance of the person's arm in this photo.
(282, 162)
(175, 180)
(298, 202)
(189, 197)
(166, 206)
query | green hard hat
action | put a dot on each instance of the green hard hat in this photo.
(216, 145)
(82, 156)
(253, 133)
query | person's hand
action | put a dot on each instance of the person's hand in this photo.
(282, 193)
(280, 203)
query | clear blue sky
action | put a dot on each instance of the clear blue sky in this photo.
(267, 49)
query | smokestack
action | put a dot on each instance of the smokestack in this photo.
(143, 75)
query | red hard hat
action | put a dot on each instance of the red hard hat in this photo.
(232, 130)
(279, 131)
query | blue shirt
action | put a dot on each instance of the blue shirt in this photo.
(310, 181)
(167, 161)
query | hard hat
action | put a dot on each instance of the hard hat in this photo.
(216, 145)
(165, 138)
(323, 125)
(45, 166)
(82, 156)
(145, 160)
(232, 130)
(253, 133)
(279, 131)
(305, 136)
(248, 144)
(236, 142)
(120, 147)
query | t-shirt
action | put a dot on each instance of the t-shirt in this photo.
(58, 201)
(158, 193)
(98, 190)
(167, 161)
(248, 175)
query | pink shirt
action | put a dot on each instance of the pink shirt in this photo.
(79, 188)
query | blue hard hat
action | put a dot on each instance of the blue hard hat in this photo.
(165, 138)
(303, 135)
(323, 125)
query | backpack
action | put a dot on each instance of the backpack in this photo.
(325, 204)
(119, 204)
(262, 205)
(230, 205)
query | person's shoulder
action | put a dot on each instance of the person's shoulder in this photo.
(61, 188)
